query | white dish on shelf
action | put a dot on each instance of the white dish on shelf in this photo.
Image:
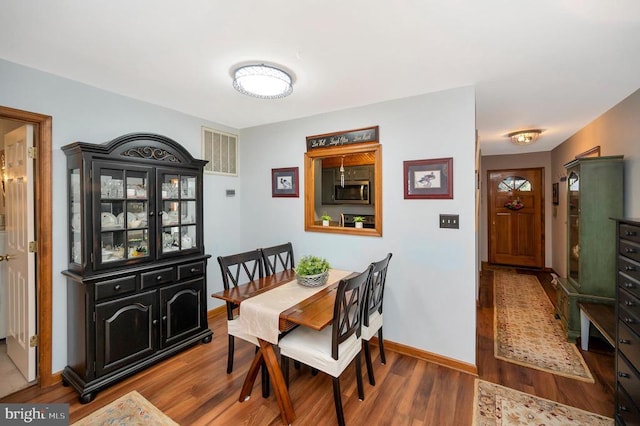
(108, 220)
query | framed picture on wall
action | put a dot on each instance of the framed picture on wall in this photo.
(284, 182)
(428, 179)
(555, 188)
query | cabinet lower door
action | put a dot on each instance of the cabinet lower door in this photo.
(125, 331)
(183, 311)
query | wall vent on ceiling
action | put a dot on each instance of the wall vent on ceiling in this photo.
(221, 151)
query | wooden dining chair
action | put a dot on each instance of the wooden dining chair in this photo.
(332, 349)
(238, 269)
(278, 258)
(372, 319)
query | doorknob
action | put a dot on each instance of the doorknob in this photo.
(7, 257)
(1, 258)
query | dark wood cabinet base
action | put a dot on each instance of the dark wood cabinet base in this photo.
(89, 389)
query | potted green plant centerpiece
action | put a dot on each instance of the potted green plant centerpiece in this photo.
(312, 271)
(359, 221)
(325, 219)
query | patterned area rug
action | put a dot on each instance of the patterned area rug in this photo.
(129, 410)
(497, 405)
(526, 331)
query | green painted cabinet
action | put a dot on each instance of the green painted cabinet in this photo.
(594, 195)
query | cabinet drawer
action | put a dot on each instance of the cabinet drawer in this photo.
(630, 232)
(629, 310)
(629, 267)
(157, 277)
(106, 289)
(190, 270)
(631, 285)
(628, 342)
(625, 408)
(628, 378)
(629, 249)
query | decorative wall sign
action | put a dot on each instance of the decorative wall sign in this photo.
(428, 178)
(328, 140)
(284, 182)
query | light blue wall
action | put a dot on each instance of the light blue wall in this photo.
(430, 296)
(84, 113)
(430, 301)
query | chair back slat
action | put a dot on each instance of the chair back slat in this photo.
(375, 292)
(238, 269)
(348, 309)
(277, 258)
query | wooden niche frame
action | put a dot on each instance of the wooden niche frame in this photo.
(337, 145)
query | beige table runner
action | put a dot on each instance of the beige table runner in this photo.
(260, 315)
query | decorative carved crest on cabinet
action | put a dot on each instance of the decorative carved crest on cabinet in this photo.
(150, 153)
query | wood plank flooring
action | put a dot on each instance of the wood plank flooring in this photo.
(194, 389)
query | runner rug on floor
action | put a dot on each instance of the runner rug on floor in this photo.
(526, 331)
(131, 409)
(498, 405)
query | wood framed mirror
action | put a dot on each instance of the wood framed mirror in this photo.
(344, 182)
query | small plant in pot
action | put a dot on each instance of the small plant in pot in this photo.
(359, 221)
(312, 271)
(325, 219)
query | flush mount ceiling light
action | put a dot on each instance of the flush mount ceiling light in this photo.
(524, 137)
(262, 81)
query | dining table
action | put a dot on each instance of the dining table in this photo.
(274, 305)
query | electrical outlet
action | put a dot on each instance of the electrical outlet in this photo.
(450, 221)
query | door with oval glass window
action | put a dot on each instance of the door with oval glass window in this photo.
(516, 217)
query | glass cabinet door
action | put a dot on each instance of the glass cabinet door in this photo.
(574, 225)
(76, 218)
(124, 214)
(178, 212)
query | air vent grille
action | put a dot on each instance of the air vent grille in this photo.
(221, 151)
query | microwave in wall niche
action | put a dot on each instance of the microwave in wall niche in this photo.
(353, 192)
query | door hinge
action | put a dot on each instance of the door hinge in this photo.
(33, 341)
(33, 246)
(94, 316)
(32, 152)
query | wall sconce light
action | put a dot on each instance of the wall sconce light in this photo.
(524, 137)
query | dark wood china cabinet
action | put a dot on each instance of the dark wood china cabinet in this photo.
(136, 278)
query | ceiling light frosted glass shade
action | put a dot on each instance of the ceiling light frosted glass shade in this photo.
(262, 81)
(525, 137)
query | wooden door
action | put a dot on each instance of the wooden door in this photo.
(20, 267)
(516, 217)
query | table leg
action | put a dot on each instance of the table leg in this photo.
(267, 356)
(245, 393)
(277, 380)
(584, 331)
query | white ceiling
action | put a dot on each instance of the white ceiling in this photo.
(550, 64)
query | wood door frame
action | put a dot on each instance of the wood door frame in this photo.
(43, 209)
(542, 211)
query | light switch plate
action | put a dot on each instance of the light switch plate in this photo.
(450, 221)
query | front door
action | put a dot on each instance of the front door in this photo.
(516, 221)
(20, 262)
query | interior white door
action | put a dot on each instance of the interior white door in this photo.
(20, 263)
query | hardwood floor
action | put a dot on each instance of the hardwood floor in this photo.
(194, 389)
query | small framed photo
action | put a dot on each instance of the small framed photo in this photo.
(284, 182)
(428, 178)
(555, 188)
